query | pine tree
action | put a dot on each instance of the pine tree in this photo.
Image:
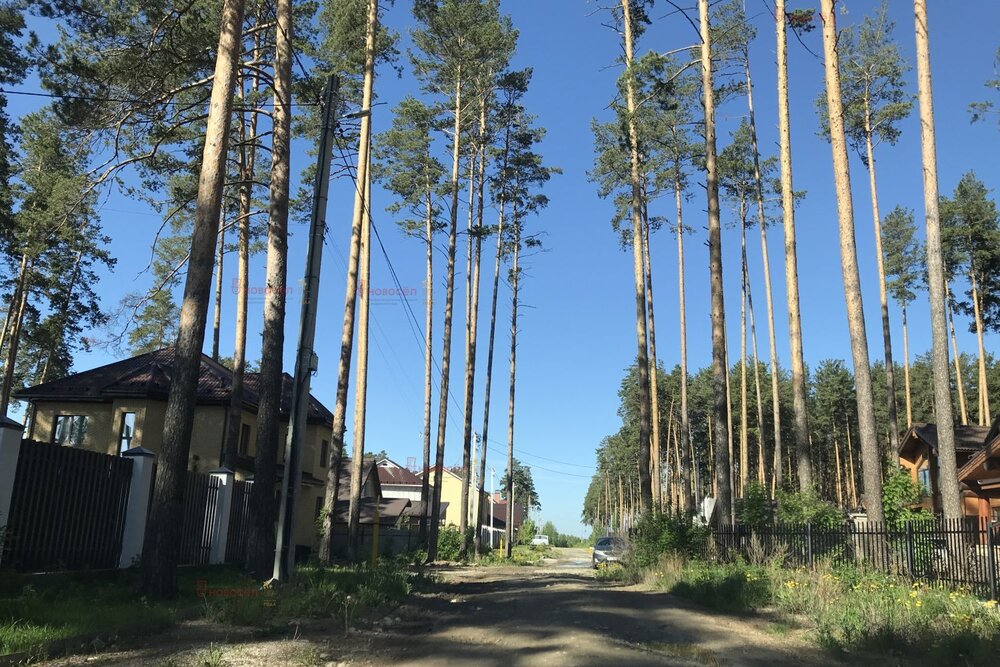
(903, 264)
(870, 459)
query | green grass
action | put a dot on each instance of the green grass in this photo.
(47, 609)
(845, 609)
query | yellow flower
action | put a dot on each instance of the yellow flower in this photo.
(918, 603)
(913, 594)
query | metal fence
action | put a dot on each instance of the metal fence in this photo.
(200, 505)
(955, 553)
(67, 509)
(239, 520)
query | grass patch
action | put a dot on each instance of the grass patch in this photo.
(52, 608)
(59, 608)
(521, 554)
(846, 609)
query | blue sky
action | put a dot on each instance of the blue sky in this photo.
(577, 330)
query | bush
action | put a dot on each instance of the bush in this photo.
(526, 532)
(899, 492)
(450, 542)
(658, 533)
(754, 508)
(805, 507)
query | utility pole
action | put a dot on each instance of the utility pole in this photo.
(306, 361)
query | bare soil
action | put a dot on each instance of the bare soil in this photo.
(556, 614)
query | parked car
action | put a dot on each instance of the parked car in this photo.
(608, 550)
(540, 541)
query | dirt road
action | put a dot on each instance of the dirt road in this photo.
(557, 614)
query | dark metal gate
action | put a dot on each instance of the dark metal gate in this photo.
(67, 509)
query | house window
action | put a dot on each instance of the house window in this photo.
(924, 479)
(324, 453)
(244, 439)
(126, 432)
(70, 430)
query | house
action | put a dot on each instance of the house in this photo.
(499, 510)
(451, 497)
(977, 456)
(398, 482)
(122, 405)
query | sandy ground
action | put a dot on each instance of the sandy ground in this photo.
(551, 615)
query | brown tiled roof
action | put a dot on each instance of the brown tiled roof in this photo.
(967, 438)
(344, 488)
(148, 376)
(396, 474)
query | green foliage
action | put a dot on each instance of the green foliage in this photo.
(557, 539)
(970, 236)
(659, 533)
(754, 508)
(874, 90)
(846, 608)
(450, 542)
(899, 493)
(804, 507)
(980, 110)
(903, 255)
(524, 486)
(526, 532)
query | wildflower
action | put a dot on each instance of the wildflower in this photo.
(913, 594)
(918, 603)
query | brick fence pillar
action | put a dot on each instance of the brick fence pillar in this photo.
(10, 448)
(139, 492)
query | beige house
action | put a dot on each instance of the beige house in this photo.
(122, 405)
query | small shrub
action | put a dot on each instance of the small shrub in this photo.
(659, 533)
(754, 508)
(806, 507)
(449, 543)
(899, 493)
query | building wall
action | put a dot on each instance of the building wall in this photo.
(400, 491)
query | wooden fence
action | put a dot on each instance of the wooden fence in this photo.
(955, 553)
(67, 509)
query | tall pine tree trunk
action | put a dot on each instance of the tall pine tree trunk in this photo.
(719, 370)
(428, 358)
(350, 298)
(682, 323)
(432, 535)
(890, 370)
(161, 549)
(959, 380)
(480, 230)
(799, 400)
(985, 418)
(766, 264)
(653, 379)
(951, 501)
(19, 303)
(263, 505)
(493, 308)
(642, 359)
(761, 445)
(220, 255)
(248, 159)
(472, 323)
(744, 435)
(361, 378)
(514, 283)
(871, 461)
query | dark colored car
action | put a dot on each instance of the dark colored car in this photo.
(608, 550)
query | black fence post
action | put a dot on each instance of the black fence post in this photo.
(991, 558)
(809, 543)
(909, 551)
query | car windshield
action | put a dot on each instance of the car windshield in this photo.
(607, 543)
